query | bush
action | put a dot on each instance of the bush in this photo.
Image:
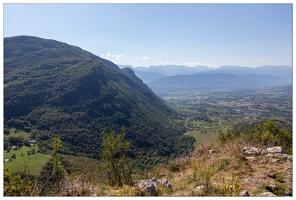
(173, 167)
(233, 188)
(126, 190)
(203, 173)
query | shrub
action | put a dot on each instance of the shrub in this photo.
(227, 189)
(126, 190)
(203, 173)
(173, 167)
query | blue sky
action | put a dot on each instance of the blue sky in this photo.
(159, 34)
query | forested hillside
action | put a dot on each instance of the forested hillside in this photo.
(55, 89)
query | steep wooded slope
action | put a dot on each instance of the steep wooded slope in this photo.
(55, 89)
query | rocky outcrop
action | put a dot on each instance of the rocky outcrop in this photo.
(252, 181)
(166, 183)
(267, 194)
(150, 185)
(276, 150)
(253, 151)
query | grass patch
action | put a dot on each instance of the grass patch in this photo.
(16, 133)
(35, 161)
(208, 137)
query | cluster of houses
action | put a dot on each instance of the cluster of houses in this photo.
(190, 127)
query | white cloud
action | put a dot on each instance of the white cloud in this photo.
(146, 58)
(262, 60)
(114, 56)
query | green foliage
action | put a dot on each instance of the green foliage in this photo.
(16, 185)
(127, 190)
(282, 190)
(236, 187)
(203, 173)
(222, 164)
(56, 144)
(173, 167)
(58, 170)
(232, 189)
(269, 134)
(114, 157)
(228, 136)
(225, 188)
(13, 156)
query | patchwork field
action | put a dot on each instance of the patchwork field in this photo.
(205, 115)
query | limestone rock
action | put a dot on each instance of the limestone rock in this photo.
(276, 150)
(253, 151)
(199, 188)
(289, 158)
(166, 183)
(267, 194)
(253, 181)
(148, 185)
(244, 193)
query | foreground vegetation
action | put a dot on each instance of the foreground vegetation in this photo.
(215, 167)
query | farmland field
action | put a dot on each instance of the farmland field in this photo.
(35, 162)
(207, 114)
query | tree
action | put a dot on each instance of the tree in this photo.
(114, 157)
(58, 170)
(33, 151)
(13, 156)
(269, 134)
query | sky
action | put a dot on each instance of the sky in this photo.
(193, 34)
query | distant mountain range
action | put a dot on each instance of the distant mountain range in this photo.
(154, 72)
(179, 78)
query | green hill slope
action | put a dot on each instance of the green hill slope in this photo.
(54, 89)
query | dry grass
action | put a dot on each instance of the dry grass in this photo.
(230, 162)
